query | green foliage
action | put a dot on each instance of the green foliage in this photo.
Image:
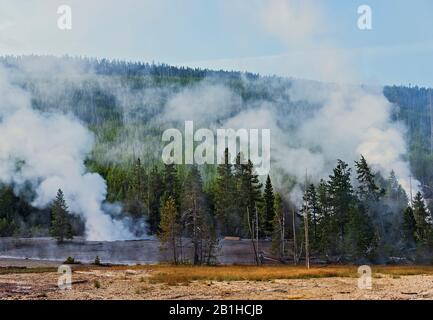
(170, 231)
(70, 260)
(269, 206)
(155, 193)
(368, 189)
(248, 195)
(171, 184)
(369, 218)
(226, 209)
(311, 205)
(360, 242)
(96, 284)
(195, 218)
(137, 191)
(341, 199)
(61, 227)
(408, 227)
(278, 226)
(423, 231)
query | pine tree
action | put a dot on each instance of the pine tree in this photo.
(408, 226)
(395, 191)
(327, 225)
(341, 199)
(7, 211)
(248, 198)
(311, 202)
(252, 188)
(225, 205)
(61, 227)
(194, 211)
(278, 228)
(248, 195)
(360, 241)
(137, 190)
(269, 206)
(368, 190)
(155, 193)
(169, 234)
(369, 196)
(423, 230)
(171, 183)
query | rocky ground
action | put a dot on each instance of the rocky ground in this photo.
(90, 282)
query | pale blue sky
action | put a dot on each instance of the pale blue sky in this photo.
(313, 39)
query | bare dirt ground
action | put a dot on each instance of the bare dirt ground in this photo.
(92, 282)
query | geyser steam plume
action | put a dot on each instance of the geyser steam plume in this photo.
(47, 152)
(353, 120)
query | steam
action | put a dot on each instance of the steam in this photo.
(318, 122)
(312, 124)
(350, 122)
(204, 102)
(352, 119)
(46, 151)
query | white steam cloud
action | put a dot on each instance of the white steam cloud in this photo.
(352, 121)
(335, 120)
(47, 152)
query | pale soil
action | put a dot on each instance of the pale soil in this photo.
(134, 284)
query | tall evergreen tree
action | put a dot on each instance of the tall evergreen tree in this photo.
(278, 228)
(341, 198)
(269, 206)
(137, 190)
(61, 227)
(360, 241)
(369, 196)
(394, 190)
(311, 203)
(408, 227)
(368, 189)
(248, 198)
(423, 230)
(171, 183)
(194, 212)
(225, 195)
(170, 233)
(155, 193)
(327, 228)
(248, 195)
(251, 189)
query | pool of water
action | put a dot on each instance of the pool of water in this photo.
(117, 252)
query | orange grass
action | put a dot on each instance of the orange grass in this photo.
(403, 270)
(184, 274)
(171, 274)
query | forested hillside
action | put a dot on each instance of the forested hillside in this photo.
(354, 214)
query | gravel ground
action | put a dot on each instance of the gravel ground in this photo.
(110, 283)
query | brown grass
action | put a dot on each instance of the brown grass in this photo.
(403, 270)
(184, 274)
(173, 275)
(14, 270)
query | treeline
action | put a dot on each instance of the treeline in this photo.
(413, 106)
(118, 67)
(366, 218)
(354, 215)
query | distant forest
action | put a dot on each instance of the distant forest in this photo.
(353, 215)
